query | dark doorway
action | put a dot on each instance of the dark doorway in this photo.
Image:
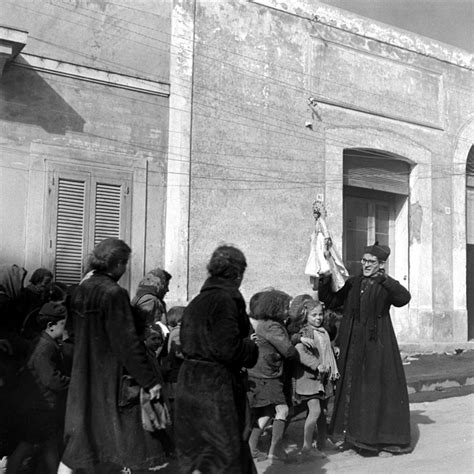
(376, 187)
(470, 243)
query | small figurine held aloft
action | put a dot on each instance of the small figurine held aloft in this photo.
(323, 257)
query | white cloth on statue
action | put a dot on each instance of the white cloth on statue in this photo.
(318, 263)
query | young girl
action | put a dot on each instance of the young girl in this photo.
(266, 382)
(316, 371)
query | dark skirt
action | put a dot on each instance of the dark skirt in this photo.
(265, 392)
(211, 419)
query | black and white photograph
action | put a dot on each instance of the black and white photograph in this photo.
(237, 236)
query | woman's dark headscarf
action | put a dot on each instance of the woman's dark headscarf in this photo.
(154, 283)
(11, 280)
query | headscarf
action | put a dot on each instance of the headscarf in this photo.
(11, 280)
(153, 282)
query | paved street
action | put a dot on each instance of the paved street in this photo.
(443, 433)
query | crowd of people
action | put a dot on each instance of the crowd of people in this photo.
(91, 381)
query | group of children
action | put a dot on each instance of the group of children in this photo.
(296, 370)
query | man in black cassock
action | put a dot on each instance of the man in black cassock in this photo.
(371, 410)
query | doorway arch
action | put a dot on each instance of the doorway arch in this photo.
(470, 242)
(376, 190)
(463, 147)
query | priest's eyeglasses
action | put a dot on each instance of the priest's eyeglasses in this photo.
(364, 261)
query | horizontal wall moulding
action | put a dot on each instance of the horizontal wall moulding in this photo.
(343, 20)
(98, 76)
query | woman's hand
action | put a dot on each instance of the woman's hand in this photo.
(337, 351)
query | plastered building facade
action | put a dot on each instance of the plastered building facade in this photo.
(240, 115)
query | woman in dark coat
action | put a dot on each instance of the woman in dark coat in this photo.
(371, 406)
(211, 424)
(103, 417)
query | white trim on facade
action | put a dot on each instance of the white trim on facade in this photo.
(465, 140)
(370, 29)
(410, 262)
(179, 149)
(89, 74)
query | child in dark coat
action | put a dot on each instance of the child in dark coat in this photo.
(266, 380)
(43, 384)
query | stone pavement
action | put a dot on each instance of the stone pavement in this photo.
(446, 379)
(442, 436)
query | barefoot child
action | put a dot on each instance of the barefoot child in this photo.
(316, 371)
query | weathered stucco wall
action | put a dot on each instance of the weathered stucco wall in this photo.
(89, 89)
(256, 169)
(126, 37)
(256, 64)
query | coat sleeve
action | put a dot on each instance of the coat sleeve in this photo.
(278, 338)
(398, 295)
(328, 297)
(47, 371)
(124, 340)
(307, 358)
(149, 305)
(227, 345)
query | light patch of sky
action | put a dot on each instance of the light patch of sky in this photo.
(449, 21)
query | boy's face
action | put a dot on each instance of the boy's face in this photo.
(45, 284)
(154, 341)
(164, 289)
(56, 330)
(316, 316)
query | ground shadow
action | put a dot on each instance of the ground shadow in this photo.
(27, 98)
(417, 418)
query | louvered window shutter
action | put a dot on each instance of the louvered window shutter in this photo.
(70, 230)
(108, 211)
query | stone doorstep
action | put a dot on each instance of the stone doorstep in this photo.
(434, 347)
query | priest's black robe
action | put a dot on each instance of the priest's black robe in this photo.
(371, 406)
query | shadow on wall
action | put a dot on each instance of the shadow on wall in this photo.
(25, 97)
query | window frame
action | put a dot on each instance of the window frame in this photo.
(91, 176)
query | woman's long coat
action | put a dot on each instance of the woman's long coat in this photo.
(371, 404)
(210, 416)
(103, 417)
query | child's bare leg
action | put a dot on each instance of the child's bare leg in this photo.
(278, 428)
(15, 460)
(263, 421)
(314, 409)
